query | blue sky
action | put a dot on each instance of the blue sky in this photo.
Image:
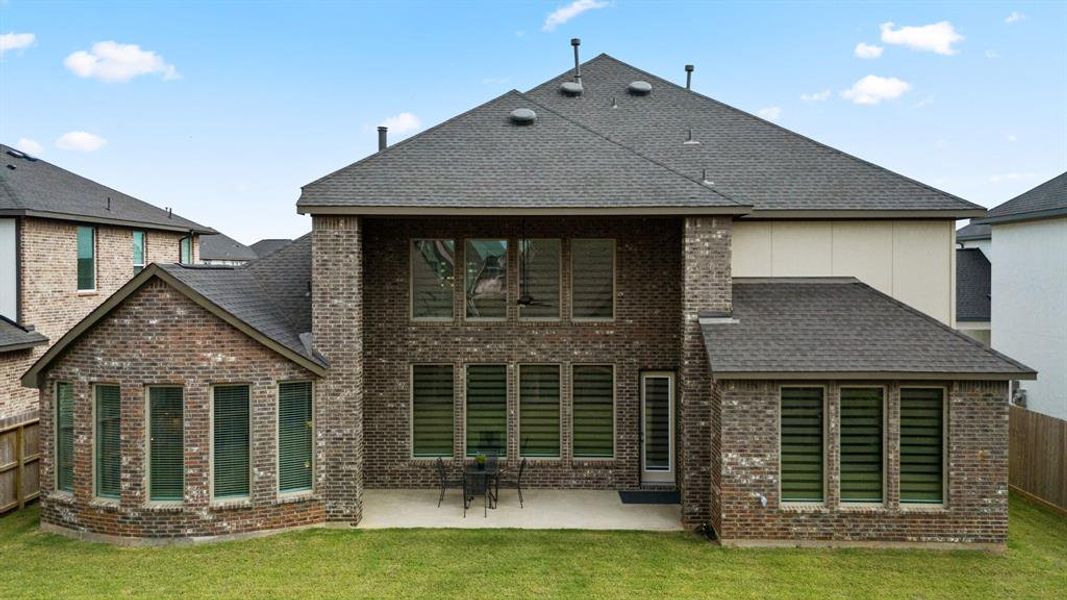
(223, 110)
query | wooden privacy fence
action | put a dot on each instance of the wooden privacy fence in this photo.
(19, 464)
(1038, 457)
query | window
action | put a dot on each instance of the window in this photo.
(802, 444)
(64, 437)
(862, 455)
(593, 279)
(539, 411)
(139, 251)
(295, 429)
(185, 250)
(166, 460)
(86, 258)
(921, 445)
(594, 408)
(487, 409)
(433, 264)
(108, 425)
(539, 279)
(231, 441)
(432, 421)
(486, 278)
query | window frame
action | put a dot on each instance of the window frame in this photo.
(411, 410)
(411, 279)
(614, 414)
(148, 446)
(507, 279)
(825, 455)
(885, 447)
(96, 385)
(559, 284)
(181, 250)
(614, 281)
(559, 409)
(466, 401)
(138, 267)
(55, 446)
(93, 231)
(247, 498)
(277, 440)
(945, 401)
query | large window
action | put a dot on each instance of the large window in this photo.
(86, 258)
(802, 444)
(432, 421)
(594, 407)
(295, 429)
(65, 437)
(139, 251)
(593, 279)
(862, 456)
(185, 250)
(166, 426)
(433, 264)
(107, 446)
(486, 279)
(539, 411)
(231, 428)
(922, 430)
(539, 279)
(487, 409)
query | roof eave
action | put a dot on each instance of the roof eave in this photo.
(872, 375)
(24, 212)
(22, 346)
(961, 213)
(1025, 216)
(430, 210)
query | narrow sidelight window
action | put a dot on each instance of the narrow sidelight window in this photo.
(539, 279)
(593, 279)
(594, 408)
(107, 446)
(802, 444)
(295, 432)
(433, 265)
(230, 421)
(487, 409)
(166, 447)
(139, 251)
(65, 437)
(539, 411)
(862, 455)
(432, 407)
(922, 426)
(486, 278)
(86, 257)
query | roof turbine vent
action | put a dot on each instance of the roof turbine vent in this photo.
(523, 116)
(640, 88)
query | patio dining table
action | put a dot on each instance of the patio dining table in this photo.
(480, 479)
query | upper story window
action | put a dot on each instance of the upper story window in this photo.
(593, 280)
(86, 257)
(139, 251)
(486, 279)
(433, 265)
(539, 275)
(185, 250)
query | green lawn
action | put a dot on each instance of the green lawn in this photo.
(325, 563)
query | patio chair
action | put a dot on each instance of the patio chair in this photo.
(515, 483)
(445, 482)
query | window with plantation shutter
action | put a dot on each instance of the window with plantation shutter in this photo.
(862, 455)
(539, 411)
(65, 437)
(487, 409)
(593, 421)
(166, 431)
(108, 460)
(295, 429)
(921, 445)
(432, 421)
(539, 279)
(86, 258)
(230, 422)
(593, 279)
(486, 278)
(802, 444)
(433, 264)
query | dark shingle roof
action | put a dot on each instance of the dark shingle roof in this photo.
(974, 231)
(481, 159)
(287, 274)
(223, 247)
(840, 326)
(264, 247)
(972, 285)
(38, 188)
(13, 337)
(1046, 200)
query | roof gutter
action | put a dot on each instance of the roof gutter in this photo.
(872, 375)
(1025, 216)
(837, 214)
(21, 212)
(497, 211)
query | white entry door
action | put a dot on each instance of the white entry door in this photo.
(657, 427)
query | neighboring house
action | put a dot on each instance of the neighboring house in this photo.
(973, 293)
(1029, 289)
(220, 249)
(623, 282)
(66, 244)
(976, 235)
(268, 246)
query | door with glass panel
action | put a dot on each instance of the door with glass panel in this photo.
(657, 427)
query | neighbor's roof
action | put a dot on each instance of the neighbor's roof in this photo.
(286, 273)
(1044, 201)
(972, 285)
(264, 247)
(222, 247)
(807, 328)
(32, 187)
(974, 231)
(14, 337)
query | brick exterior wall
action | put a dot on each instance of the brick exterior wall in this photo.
(158, 336)
(976, 506)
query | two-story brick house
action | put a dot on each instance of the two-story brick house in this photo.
(624, 282)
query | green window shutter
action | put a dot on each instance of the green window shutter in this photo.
(802, 445)
(539, 278)
(593, 419)
(138, 251)
(593, 279)
(433, 264)
(486, 278)
(921, 445)
(166, 447)
(86, 258)
(65, 437)
(231, 437)
(432, 421)
(861, 444)
(539, 411)
(108, 442)
(487, 409)
(295, 423)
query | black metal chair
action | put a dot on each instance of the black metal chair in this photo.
(446, 483)
(515, 483)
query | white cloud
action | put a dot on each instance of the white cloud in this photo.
(113, 62)
(992, 54)
(32, 147)
(816, 96)
(81, 141)
(566, 13)
(771, 113)
(927, 101)
(1014, 17)
(402, 123)
(16, 41)
(936, 37)
(1012, 176)
(867, 50)
(873, 89)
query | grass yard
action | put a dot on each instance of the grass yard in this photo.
(333, 563)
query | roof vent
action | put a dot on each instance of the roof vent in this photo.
(640, 88)
(688, 76)
(689, 140)
(571, 88)
(20, 154)
(523, 116)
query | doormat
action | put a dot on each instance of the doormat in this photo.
(650, 497)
